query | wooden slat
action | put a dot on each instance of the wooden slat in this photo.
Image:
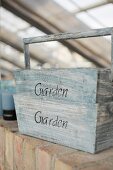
(27, 56)
(104, 86)
(66, 36)
(74, 81)
(104, 131)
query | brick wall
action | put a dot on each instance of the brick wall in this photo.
(20, 152)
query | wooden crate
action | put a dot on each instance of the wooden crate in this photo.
(72, 107)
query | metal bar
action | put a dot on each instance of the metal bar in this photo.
(27, 56)
(66, 36)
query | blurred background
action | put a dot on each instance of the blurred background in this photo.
(30, 18)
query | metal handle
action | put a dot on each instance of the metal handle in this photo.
(67, 36)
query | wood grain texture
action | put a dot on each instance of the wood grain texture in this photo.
(27, 56)
(112, 55)
(104, 129)
(79, 132)
(104, 86)
(75, 114)
(104, 136)
(77, 81)
(66, 36)
(72, 107)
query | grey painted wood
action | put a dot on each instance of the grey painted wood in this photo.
(105, 113)
(73, 107)
(104, 129)
(27, 56)
(77, 82)
(104, 86)
(112, 55)
(66, 36)
(79, 132)
(87, 119)
(77, 108)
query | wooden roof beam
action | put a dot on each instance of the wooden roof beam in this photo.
(14, 62)
(9, 66)
(41, 23)
(12, 40)
(2, 67)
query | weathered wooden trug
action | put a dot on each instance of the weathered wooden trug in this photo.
(72, 107)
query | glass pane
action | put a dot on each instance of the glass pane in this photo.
(11, 21)
(103, 14)
(30, 32)
(84, 17)
(86, 3)
(67, 4)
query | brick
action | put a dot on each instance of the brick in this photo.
(2, 147)
(28, 157)
(29, 151)
(18, 152)
(104, 164)
(85, 161)
(44, 161)
(59, 165)
(47, 155)
(24, 151)
(8, 150)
